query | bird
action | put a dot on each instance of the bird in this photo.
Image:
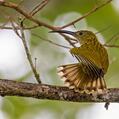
(93, 62)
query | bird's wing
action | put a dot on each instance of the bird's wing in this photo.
(90, 58)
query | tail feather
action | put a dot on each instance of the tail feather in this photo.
(94, 84)
(103, 83)
(68, 69)
(74, 77)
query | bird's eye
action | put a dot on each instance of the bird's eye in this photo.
(81, 33)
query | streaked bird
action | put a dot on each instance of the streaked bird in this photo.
(89, 73)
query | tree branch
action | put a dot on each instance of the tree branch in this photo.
(111, 45)
(85, 15)
(27, 51)
(31, 18)
(49, 41)
(43, 91)
(24, 13)
(39, 7)
(40, 23)
(25, 28)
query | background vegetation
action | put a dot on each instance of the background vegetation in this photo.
(49, 56)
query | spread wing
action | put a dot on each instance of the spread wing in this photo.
(90, 58)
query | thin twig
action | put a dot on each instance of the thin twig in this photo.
(39, 7)
(25, 28)
(113, 38)
(27, 51)
(71, 41)
(40, 23)
(103, 30)
(85, 15)
(3, 25)
(24, 13)
(111, 46)
(15, 30)
(49, 41)
(36, 74)
(18, 9)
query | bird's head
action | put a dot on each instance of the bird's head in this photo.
(83, 36)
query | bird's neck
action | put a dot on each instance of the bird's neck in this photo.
(89, 41)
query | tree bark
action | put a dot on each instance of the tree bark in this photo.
(44, 91)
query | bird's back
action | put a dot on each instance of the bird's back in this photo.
(98, 54)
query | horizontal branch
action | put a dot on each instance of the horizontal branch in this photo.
(86, 14)
(43, 91)
(25, 28)
(24, 13)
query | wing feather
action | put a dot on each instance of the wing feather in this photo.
(92, 69)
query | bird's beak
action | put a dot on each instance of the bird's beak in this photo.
(64, 31)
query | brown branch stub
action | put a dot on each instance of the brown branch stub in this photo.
(43, 91)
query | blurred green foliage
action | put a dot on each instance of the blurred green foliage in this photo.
(22, 108)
